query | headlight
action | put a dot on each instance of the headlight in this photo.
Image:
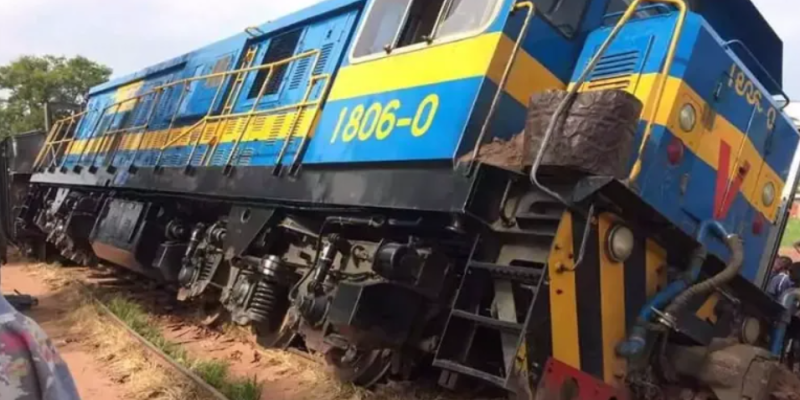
(620, 243)
(688, 117)
(768, 194)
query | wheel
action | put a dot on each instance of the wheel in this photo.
(362, 368)
(280, 338)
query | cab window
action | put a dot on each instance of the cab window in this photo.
(618, 6)
(394, 24)
(565, 15)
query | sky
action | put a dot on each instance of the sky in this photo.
(133, 34)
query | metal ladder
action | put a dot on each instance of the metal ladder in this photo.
(500, 306)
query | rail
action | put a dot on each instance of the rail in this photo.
(566, 102)
(663, 77)
(101, 139)
(503, 81)
(57, 140)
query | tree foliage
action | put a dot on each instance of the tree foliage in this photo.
(30, 82)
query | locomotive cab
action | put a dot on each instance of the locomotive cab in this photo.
(435, 71)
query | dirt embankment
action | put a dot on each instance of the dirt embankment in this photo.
(104, 361)
(109, 365)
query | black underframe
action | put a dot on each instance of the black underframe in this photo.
(407, 187)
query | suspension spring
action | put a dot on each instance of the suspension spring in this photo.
(269, 303)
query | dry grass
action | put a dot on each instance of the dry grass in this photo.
(125, 357)
(126, 361)
(149, 380)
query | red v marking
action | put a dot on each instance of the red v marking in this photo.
(726, 190)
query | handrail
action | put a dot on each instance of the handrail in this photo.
(251, 69)
(301, 148)
(300, 108)
(727, 45)
(56, 136)
(503, 81)
(663, 77)
(573, 91)
(261, 91)
(253, 110)
(157, 92)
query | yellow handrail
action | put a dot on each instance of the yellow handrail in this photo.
(56, 136)
(158, 92)
(323, 95)
(251, 69)
(501, 85)
(663, 77)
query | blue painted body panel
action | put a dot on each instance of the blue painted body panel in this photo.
(686, 193)
(462, 103)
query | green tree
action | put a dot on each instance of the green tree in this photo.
(30, 82)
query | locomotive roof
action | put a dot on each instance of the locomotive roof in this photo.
(732, 19)
(308, 13)
(741, 20)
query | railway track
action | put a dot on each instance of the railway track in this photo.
(104, 283)
(98, 282)
(169, 361)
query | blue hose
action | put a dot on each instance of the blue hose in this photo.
(789, 302)
(637, 340)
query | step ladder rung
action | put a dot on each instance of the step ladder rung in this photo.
(523, 273)
(464, 370)
(488, 322)
(538, 216)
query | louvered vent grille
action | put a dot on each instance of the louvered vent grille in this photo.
(324, 56)
(300, 73)
(614, 71)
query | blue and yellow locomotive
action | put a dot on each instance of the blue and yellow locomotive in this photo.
(551, 196)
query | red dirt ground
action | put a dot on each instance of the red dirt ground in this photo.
(92, 381)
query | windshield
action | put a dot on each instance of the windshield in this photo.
(394, 24)
(565, 15)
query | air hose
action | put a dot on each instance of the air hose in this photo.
(679, 292)
(736, 246)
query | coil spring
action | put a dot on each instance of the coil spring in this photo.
(205, 272)
(269, 303)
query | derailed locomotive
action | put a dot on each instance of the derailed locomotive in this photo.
(352, 179)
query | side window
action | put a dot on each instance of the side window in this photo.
(394, 24)
(565, 15)
(280, 48)
(465, 15)
(381, 27)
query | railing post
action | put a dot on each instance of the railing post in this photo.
(262, 90)
(205, 121)
(63, 139)
(290, 135)
(184, 90)
(663, 78)
(150, 115)
(67, 142)
(102, 136)
(294, 167)
(40, 157)
(90, 137)
(115, 142)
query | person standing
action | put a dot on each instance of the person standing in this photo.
(782, 278)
